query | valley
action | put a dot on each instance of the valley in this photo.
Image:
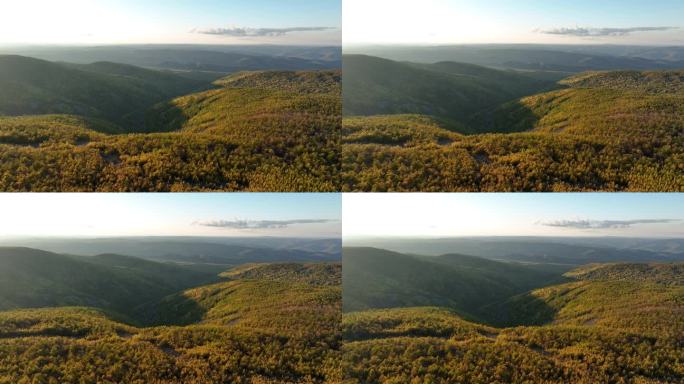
(112, 318)
(453, 318)
(430, 125)
(109, 127)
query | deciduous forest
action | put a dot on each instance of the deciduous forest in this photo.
(117, 319)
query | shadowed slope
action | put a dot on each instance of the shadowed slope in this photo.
(110, 91)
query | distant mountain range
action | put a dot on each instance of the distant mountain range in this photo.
(569, 251)
(221, 251)
(562, 59)
(218, 60)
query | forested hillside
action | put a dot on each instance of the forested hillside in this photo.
(115, 92)
(31, 278)
(616, 327)
(375, 278)
(265, 323)
(253, 131)
(607, 131)
(451, 92)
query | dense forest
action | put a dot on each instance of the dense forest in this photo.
(608, 323)
(114, 127)
(257, 323)
(602, 131)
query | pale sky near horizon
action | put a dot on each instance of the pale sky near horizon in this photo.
(439, 22)
(483, 214)
(96, 22)
(175, 214)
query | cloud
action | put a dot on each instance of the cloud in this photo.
(258, 224)
(600, 32)
(256, 32)
(604, 224)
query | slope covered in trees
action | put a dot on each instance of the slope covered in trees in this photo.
(31, 278)
(267, 323)
(611, 330)
(452, 92)
(256, 132)
(375, 278)
(116, 92)
(615, 131)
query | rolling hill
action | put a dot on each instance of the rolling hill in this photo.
(452, 92)
(617, 324)
(268, 323)
(252, 131)
(606, 131)
(376, 278)
(31, 278)
(114, 92)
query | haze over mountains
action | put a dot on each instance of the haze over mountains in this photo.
(568, 251)
(212, 60)
(561, 59)
(217, 253)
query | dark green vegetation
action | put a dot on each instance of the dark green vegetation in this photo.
(117, 128)
(452, 92)
(31, 278)
(606, 131)
(258, 323)
(376, 278)
(115, 92)
(610, 323)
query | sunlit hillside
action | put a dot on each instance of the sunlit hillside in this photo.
(606, 131)
(263, 131)
(263, 323)
(619, 323)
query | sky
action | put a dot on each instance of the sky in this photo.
(484, 214)
(178, 214)
(435, 22)
(97, 22)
